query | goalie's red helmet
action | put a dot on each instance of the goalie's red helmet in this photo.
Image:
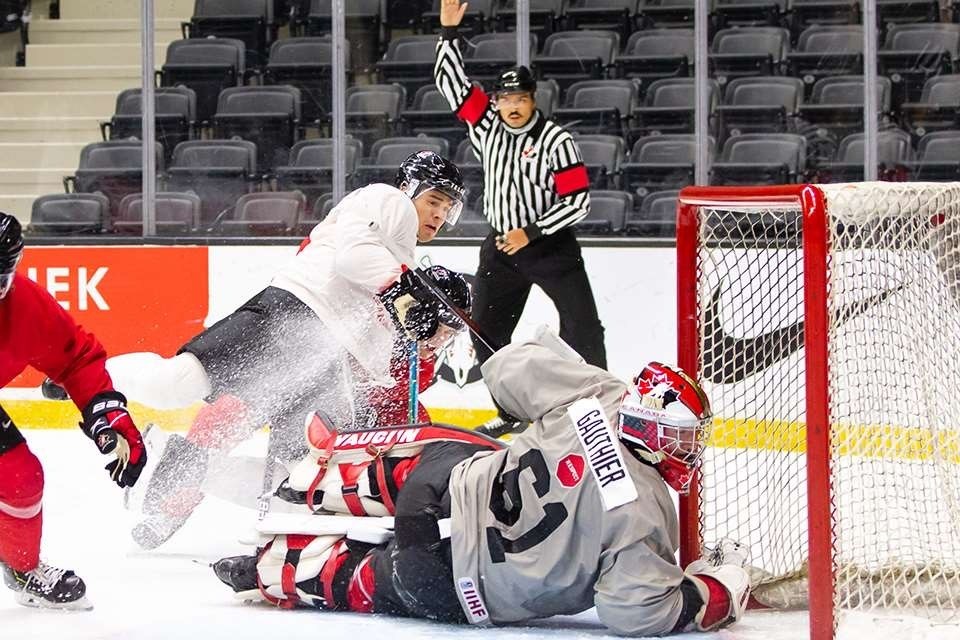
(665, 417)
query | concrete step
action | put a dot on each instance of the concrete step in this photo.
(35, 104)
(80, 9)
(115, 31)
(48, 180)
(18, 205)
(79, 129)
(53, 79)
(86, 55)
(26, 155)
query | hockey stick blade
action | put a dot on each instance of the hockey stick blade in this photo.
(427, 280)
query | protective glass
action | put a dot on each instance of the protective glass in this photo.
(456, 201)
(506, 100)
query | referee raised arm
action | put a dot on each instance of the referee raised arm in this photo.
(535, 189)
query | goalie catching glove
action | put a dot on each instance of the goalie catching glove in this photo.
(723, 585)
(107, 422)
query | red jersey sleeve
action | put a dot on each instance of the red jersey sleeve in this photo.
(56, 344)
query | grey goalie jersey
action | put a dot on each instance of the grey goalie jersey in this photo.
(565, 518)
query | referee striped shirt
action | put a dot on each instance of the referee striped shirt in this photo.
(534, 177)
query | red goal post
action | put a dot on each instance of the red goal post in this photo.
(824, 324)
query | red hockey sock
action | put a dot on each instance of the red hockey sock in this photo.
(21, 519)
(220, 425)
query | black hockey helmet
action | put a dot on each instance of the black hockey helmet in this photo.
(515, 80)
(11, 250)
(426, 170)
(425, 318)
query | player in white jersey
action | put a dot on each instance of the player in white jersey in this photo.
(325, 327)
(575, 513)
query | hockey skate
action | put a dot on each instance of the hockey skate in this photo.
(239, 573)
(47, 587)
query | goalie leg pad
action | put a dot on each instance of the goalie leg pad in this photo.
(320, 571)
(724, 591)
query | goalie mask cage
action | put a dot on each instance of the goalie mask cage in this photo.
(824, 324)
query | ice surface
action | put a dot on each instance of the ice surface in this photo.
(170, 593)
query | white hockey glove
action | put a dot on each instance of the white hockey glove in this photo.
(723, 584)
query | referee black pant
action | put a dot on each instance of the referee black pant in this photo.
(553, 263)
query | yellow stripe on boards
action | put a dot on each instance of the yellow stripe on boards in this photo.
(61, 414)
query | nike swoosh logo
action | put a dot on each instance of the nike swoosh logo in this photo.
(727, 359)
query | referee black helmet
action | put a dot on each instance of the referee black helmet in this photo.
(515, 80)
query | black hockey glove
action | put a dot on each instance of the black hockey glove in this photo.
(107, 422)
(402, 298)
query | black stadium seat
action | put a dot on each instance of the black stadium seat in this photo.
(893, 150)
(431, 115)
(486, 55)
(470, 168)
(827, 50)
(544, 17)
(836, 103)
(912, 53)
(219, 171)
(607, 15)
(571, 56)
(207, 66)
(386, 155)
(666, 14)
(480, 17)
(656, 216)
(176, 214)
(656, 53)
(250, 21)
(305, 63)
(175, 116)
(409, 62)
(748, 13)
(310, 168)
(270, 115)
(598, 106)
(547, 96)
(270, 213)
(758, 104)
(669, 107)
(938, 108)
(660, 162)
(70, 213)
(748, 51)
(761, 158)
(806, 13)
(938, 157)
(602, 155)
(608, 213)
(373, 111)
(364, 26)
(113, 168)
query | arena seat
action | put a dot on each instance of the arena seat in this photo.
(310, 167)
(69, 214)
(938, 158)
(748, 51)
(827, 50)
(669, 107)
(268, 213)
(571, 56)
(431, 115)
(598, 106)
(175, 116)
(386, 155)
(207, 66)
(659, 163)
(113, 168)
(761, 158)
(602, 154)
(268, 114)
(759, 104)
(373, 111)
(479, 18)
(894, 149)
(938, 108)
(409, 62)
(176, 214)
(656, 217)
(218, 171)
(604, 15)
(364, 25)
(608, 213)
(305, 63)
(250, 21)
(654, 54)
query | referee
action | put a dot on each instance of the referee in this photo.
(535, 189)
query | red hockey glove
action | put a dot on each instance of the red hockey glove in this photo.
(107, 422)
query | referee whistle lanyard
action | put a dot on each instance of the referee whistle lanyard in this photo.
(413, 379)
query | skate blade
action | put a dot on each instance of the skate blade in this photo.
(36, 602)
(251, 595)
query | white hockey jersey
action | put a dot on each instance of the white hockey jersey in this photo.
(353, 255)
(565, 518)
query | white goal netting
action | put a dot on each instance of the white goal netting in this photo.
(894, 387)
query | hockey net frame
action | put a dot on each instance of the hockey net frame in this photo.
(824, 239)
